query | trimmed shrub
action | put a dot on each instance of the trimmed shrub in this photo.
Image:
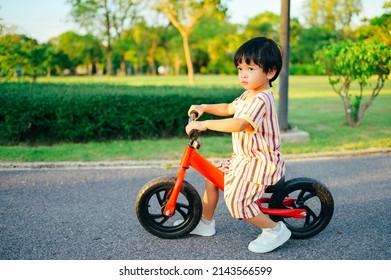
(50, 113)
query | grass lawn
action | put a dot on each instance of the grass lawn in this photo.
(313, 107)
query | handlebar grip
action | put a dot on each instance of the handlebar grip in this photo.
(194, 134)
(193, 116)
(194, 113)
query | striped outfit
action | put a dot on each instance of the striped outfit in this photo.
(256, 162)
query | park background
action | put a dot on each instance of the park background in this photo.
(72, 89)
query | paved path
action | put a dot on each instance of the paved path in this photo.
(88, 213)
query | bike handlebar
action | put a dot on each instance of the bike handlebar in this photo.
(194, 133)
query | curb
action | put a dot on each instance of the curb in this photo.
(166, 164)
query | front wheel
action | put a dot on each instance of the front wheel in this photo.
(151, 201)
(310, 195)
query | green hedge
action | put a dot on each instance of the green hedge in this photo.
(305, 69)
(50, 113)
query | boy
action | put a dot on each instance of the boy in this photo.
(256, 162)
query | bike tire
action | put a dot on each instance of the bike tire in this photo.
(311, 195)
(150, 203)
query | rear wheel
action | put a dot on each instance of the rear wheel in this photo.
(310, 195)
(151, 201)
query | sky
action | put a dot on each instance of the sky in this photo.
(44, 19)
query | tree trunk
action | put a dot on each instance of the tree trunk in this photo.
(348, 111)
(93, 68)
(151, 58)
(177, 65)
(123, 64)
(184, 34)
(109, 62)
(362, 109)
(109, 66)
(189, 63)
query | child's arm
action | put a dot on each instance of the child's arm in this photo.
(224, 125)
(222, 109)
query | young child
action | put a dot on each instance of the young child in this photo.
(256, 161)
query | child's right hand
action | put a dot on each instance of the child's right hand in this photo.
(199, 126)
(198, 108)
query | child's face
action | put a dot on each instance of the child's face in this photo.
(252, 77)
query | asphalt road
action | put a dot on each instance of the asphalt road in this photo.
(76, 214)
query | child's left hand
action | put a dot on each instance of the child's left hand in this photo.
(197, 125)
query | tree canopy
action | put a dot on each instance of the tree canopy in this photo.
(346, 62)
(179, 37)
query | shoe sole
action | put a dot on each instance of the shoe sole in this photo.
(202, 234)
(178, 222)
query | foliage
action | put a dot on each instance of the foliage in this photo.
(184, 15)
(129, 37)
(309, 106)
(355, 61)
(331, 14)
(305, 69)
(302, 51)
(80, 50)
(266, 24)
(377, 29)
(51, 113)
(107, 19)
(214, 43)
(19, 55)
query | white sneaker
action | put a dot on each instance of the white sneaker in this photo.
(270, 239)
(202, 228)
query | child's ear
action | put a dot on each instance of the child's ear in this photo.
(272, 72)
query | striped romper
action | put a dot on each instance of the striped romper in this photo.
(256, 161)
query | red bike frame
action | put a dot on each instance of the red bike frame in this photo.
(192, 158)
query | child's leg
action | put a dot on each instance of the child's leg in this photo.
(209, 201)
(206, 226)
(273, 234)
(262, 221)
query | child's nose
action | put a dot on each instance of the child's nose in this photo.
(243, 74)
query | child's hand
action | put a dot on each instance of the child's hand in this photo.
(199, 126)
(198, 108)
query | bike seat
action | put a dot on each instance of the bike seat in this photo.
(276, 187)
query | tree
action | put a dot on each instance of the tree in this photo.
(81, 50)
(348, 61)
(331, 14)
(266, 24)
(21, 56)
(107, 19)
(56, 61)
(378, 28)
(309, 41)
(184, 15)
(139, 46)
(214, 42)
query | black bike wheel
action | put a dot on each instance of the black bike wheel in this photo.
(311, 195)
(150, 203)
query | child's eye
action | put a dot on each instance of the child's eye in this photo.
(240, 68)
(251, 69)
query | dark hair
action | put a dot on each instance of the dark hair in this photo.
(263, 52)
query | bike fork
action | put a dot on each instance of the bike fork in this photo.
(169, 208)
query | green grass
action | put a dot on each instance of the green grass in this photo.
(313, 107)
